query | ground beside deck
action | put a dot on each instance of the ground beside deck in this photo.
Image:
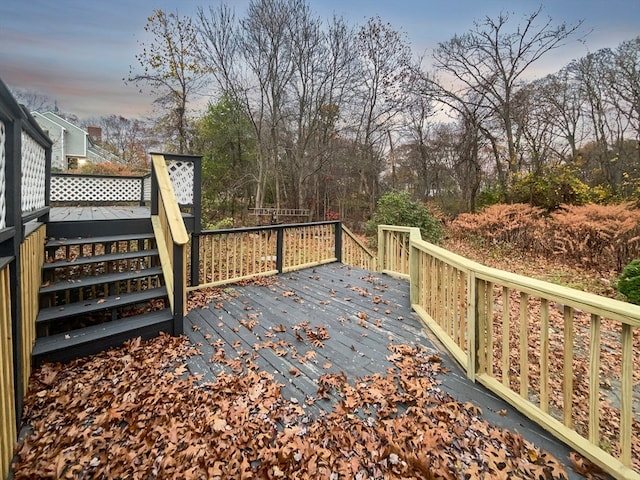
(352, 315)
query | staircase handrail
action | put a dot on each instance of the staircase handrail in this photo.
(171, 237)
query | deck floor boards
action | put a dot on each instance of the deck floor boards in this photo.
(91, 213)
(363, 312)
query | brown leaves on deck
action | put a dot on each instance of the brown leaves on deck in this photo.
(203, 298)
(128, 413)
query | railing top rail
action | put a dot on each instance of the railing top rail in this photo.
(100, 175)
(269, 227)
(351, 235)
(177, 156)
(399, 228)
(624, 312)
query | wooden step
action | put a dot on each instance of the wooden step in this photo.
(65, 242)
(109, 257)
(64, 347)
(100, 279)
(116, 301)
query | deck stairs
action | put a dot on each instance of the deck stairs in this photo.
(98, 292)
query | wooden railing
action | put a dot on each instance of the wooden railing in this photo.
(31, 262)
(356, 253)
(171, 238)
(551, 351)
(279, 212)
(25, 165)
(231, 255)
(7, 390)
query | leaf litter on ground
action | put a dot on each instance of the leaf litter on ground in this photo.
(133, 413)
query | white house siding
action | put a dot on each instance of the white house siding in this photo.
(75, 137)
(56, 134)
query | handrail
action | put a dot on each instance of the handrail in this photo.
(166, 193)
(171, 238)
(470, 307)
(356, 253)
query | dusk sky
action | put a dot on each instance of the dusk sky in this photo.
(77, 52)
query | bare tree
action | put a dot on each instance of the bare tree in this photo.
(490, 61)
(561, 105)
(291, 71)
(386, 64)
(624, 79)
(33, 101)
(129, 139)
(171, 67)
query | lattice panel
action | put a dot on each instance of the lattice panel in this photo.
(94, 189)
(3, 177)
(181, 175)
(146, 196)
(33, 174)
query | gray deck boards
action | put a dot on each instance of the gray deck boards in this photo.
(90, 213)
(336, 297)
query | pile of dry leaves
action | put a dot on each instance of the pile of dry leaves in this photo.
(135, 412)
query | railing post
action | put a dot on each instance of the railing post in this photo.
(197, 221)
(381, 248)
(414, 274)
(178, 288)
(279, 249)
(154, 190)
(472, 326)
(47, 184)
(338, 241)
(13, 172)
(141, 191)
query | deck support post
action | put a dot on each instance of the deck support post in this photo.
(279, 249)
(14, 218)
(179, 270)
(338, 242)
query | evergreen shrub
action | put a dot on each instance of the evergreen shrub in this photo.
(397, 208)
(629, 282)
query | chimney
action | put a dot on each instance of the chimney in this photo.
(96, 134)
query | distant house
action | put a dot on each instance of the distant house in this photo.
(72, 146)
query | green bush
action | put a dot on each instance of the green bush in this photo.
(549, 189)
(629, 282)
(397, 208)
(490, 195)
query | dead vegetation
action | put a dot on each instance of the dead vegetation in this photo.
(599, 238)
(137, 413)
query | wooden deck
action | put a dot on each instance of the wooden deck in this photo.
(91, 213)
(361, 312)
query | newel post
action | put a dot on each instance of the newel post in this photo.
(414, 273)
(179, 287)
(197, 221)
(381, 248)
(279, 249)
(13, 192)
(338, 242)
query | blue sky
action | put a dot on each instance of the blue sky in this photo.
(78, 51)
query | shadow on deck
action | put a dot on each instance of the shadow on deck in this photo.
(355, 315)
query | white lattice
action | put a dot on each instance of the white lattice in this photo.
(95, 189)
(181, 175)
(147, 188)
(3, 178)
(33, 174)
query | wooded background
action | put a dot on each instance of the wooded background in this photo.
(293, 110)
